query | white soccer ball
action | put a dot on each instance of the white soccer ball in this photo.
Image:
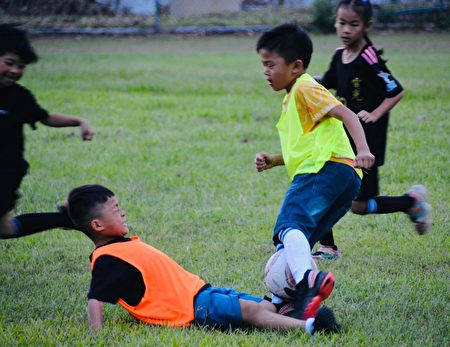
(277, 276)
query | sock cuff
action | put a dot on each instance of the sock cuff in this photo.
(276, 300)
(309, 325)
(283, 233)
(371, 206)
(17, 226)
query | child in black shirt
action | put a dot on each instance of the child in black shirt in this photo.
(18, 107)
(365, 85)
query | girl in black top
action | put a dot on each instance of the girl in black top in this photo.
(365, 85)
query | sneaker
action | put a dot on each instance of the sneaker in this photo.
(325, 322)
(326, 253)
(420, 213)
(308, 298)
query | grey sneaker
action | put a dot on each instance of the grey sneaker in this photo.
(326, 253)
(420, 213)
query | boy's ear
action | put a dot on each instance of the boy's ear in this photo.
(96, 225)
(368, 25)
(297, 67)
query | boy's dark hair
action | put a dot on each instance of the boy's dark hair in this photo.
(84, 203)
(289, 41)
(15, 40)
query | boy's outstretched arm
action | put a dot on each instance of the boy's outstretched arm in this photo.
(95, 314)
(364, 159)
(265, 161)
(57, 120)
(263, 315)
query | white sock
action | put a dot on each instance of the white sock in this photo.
(276, 299)
(309, 325)
(298, 253)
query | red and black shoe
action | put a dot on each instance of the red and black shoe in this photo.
(311, 291)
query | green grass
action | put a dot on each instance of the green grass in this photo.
(178, 123)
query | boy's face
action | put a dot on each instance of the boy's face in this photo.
(111, 222)
(11, 69)
(278, 74)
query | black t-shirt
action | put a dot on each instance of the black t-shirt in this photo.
(113, 278)
(361, 86)
(17, 107)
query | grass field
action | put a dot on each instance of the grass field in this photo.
(178, 123)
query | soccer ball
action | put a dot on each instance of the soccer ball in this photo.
(277, 276)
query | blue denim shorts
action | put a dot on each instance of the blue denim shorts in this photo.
(217, 307)
(315, 202)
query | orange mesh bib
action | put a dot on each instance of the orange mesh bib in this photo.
(169, 289)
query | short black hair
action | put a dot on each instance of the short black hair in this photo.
(15, 40)
(84, 203)
(289, 41)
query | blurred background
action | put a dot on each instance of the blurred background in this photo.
(209, 16)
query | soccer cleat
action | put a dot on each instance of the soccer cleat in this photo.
(309, 297)
(326, 253)
(325, 322)
(420, 213)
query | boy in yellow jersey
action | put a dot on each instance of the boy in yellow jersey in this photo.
(319, 159)
(152, 287)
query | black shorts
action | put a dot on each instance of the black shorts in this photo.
(9, 185)
(369, 185)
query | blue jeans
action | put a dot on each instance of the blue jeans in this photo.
(217, 307)
(315, 202)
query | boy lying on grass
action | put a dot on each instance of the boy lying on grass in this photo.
(152, 287)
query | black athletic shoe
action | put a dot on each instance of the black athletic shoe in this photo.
(325, 322)
(309, 295)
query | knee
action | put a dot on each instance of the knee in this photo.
(7, 229)
(268, 306)
(359, 207)
(249, 310)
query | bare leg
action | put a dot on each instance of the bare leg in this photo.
(359, 207)
(263, 315)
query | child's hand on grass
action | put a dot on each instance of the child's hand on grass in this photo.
(86, 130)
